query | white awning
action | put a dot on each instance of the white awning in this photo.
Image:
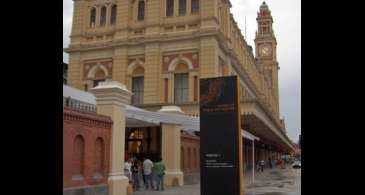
(248, 135)
(137, 117)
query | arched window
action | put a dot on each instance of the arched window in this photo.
(103, 16)
(194, 6)
(141, 10)
(92, 17)
(182, 7)
(99, 77)
(169, 7)
(113, 15)
(138, 85)
(78, 156)
(99, 156)
(181, 88)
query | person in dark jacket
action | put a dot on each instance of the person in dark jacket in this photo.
(135, 175)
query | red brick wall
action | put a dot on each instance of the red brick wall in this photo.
(190, 153)
(89, 154)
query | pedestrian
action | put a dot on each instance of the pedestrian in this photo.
(135, 175)
(270, 163)
(262, 164)
(160, 172)
(143, 175)
(147, 171)
(274, 163)
(127, 169)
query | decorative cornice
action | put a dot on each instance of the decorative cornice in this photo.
(111, 92)
(87, 118)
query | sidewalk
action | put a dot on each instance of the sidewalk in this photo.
(279, 181)
(258, 175)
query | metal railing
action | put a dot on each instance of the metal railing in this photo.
(78, 105)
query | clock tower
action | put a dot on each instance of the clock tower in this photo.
(265, 45)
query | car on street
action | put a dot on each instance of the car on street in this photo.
(297, 164)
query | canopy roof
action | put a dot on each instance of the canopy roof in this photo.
(137, 117)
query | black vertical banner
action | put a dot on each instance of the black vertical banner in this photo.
(220, 136)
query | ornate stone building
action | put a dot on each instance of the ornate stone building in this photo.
(161, 48)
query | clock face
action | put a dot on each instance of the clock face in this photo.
(265, 50)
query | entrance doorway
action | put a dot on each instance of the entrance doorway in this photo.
(143, 142)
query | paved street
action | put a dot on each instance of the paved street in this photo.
(276, 182)
(271, 182)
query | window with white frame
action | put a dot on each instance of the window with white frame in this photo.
(141, 10)
(113, 15)
(181, 87)
(103, 16)
(92, 17)
(182, 7)
(169, 7)
(194, 6)
(137, 89)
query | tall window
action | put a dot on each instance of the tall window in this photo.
(113, 15)
(99, 77)
(182, 7)
(137, 89)
(169, 7)
(181, 87)
(103, 16)
(92, 17)
(141, 10)
(99, 156)
(194, 6)
(78, 156)
(166, 80)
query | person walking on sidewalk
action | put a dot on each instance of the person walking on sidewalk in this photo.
(127, 169)
(262, 165)
(160, 172)
(135, 175)
(147, 171)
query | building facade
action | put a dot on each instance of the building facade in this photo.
(86, 151)
(161, 48)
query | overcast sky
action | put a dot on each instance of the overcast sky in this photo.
(287, 28)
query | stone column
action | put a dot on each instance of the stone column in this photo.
(208, 57)
(152, 77)
(120, 65)
(75, 71)
(79, 20)
(171, 144)
(209, 14)
(111, 100)
(123, 19)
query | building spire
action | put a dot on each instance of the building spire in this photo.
(264, 6)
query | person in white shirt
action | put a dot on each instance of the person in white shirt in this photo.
(127, 169)
(147, 171)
